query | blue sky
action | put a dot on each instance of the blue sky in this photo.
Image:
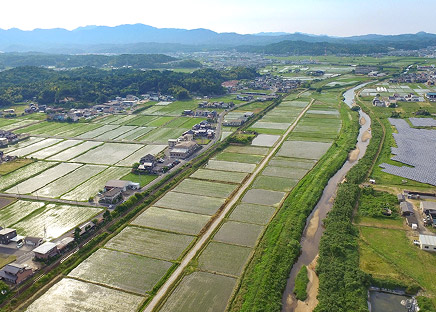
(332, 17)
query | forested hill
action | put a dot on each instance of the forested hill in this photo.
(90, 85)
(148, 61)
(315, 48)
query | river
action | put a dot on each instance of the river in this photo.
(314, 228)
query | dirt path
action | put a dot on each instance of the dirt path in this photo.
(204, 239)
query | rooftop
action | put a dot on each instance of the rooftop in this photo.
(6, 231)
(45, 248)
(427, 239)
(118, 183)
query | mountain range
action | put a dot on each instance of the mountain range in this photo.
(139, 38)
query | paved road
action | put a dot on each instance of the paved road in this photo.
(51, 200)
(203, 239)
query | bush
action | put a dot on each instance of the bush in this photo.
(301, 282)
(425, 304)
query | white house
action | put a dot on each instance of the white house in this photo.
(427, 242)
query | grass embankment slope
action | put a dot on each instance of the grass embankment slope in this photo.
(265, 278)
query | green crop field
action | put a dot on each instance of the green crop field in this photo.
(230, 166)
(69, 293)
(238, 233)
(56, 219)
(199, 292)
(98, 131)
(121, 270)
(271, 125)
(254, 150)
(151, 243)
(160, 121)
(274, 183)
(134, 133)
(292, 163)
(220, 176)
(79, 128)
(172, 220)
(24, 173)
(283, 172)
(242, 158)
(32, 184)
(16, 211)
(108, 153)
(75, 151)
(91, 187)
(140, 120)
(112, 134)
(54, 149)
(34, 147)
(69, 181)
(142, 179)
(251, 213)
(263, 197)
(205, 188)
(224, 258)
(162, 135)
(303, 149)
(190, 203)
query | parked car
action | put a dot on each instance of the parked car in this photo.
(416, 242)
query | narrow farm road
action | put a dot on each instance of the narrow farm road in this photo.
(203, 239)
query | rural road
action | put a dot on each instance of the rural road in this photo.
(51, 200)
(203, 239)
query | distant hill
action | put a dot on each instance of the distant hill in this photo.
(139, 38)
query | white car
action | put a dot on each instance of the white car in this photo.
(416, 242)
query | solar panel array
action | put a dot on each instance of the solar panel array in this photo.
(416, 148)
(423, 122)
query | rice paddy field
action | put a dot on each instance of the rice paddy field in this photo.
(205, 188)
(24, 173)
(16, 211)
(54, 218)
(108, 153)
(190, 203)
(74, 295)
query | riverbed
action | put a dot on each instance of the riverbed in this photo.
(314, 228)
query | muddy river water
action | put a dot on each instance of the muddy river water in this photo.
(314, 229)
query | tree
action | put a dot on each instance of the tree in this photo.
(107, 216)
(77, 234)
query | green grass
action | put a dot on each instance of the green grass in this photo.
(150, 243)
(121, 270)
(142, 179)
(10, 166)
(301, 282)
(224, 258)
(274, 183)
(236, 157)
(6, 259)
(395, 248)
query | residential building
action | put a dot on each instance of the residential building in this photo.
(46, 251)
(15, 273)
(6, 235)
(33, 241)
(184, 149)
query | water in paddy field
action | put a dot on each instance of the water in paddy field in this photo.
(314, 224)
(386, 302)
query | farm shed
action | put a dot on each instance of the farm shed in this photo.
(412, 221)
(428, 207)
(46, 251)
(400, 198)
(406, 209)
(427, 242)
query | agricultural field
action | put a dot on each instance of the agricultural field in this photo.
(134, 133)
(275, 183)
(265, 140)
(132, 273)
(112, 134)
(303, 149)
(24, 173)
(29, 149)
(32, 184)
(220, 176)
(91, 187)
(224, 258)
(252, 213)
(237, 157)
(199, 292)
(136, 156)
(83, 296)
(238, 233)
(263, 197)
(55, 219)
(205, 188)
(248, 149)
(16, 211)
(21, 144)
(108, 153)
(96, 132)
(54, 149)
(150, 243)
(230, 166)
(75, 151)
(190, 203)
(172, 220)
(10, 166)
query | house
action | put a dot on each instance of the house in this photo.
(406, 209)
(6, 235)
(123, 185)
(400, 198)
(412, 221)
(64, 243)
(15, 273)
(184, 149)
(172, 142)
(428, 207)
(46, 251)
(431, 96)
(112, 196)
(427, 242)
(33, 241)
(378, 102)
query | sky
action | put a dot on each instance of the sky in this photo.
(330, 17)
